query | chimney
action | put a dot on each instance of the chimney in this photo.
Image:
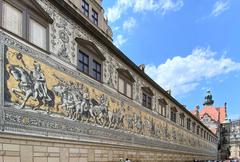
(142, 67)
(197, 111)
(169, 91)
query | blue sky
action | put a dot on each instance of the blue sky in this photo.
(187, 46)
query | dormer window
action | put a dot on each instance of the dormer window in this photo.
(147, 95)
(94, 17)
(90, 59)
(27, 20)
(125, 82)
(85, 8)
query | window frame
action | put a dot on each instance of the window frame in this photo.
(83, 62)
(91, 59)
(19, 7)
(193, 127)
(84, 3)
(27, 13)
(182, 119)
(173, 114)
(147, 103)
(94, 19)
(188, 123)
(125, 82)
(33, 16)
(95, 65)
(198, 130)
(163, 107)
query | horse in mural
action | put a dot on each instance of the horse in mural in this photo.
(27, 87)
(78, 105)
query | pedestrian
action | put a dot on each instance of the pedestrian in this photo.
(127, 160)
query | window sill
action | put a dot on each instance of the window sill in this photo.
(147, 107)
(89, 76)
(125, 95)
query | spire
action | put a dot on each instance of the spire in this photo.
(227, 121)
(225, 107)
(208, 101)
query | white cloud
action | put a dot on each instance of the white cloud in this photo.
(183, 74)
(169, 5)
(114, 13)
(145, 5)
(219, 7)
(119, 40)
(129, 24)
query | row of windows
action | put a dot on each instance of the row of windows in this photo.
(201, 132)
(85, 10)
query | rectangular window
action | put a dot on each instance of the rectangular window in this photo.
(97, 70)
(37, 34)
(188, 124)
(173, 116)
(95, 17)
(12, 19)
(144, 100)
(85, 7)
(193, 127)
(163, 110)
(147, 101)
(121, 85)
(129, 90)
(84, 62)
(182, 121)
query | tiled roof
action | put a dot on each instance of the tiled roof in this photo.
(217, 114)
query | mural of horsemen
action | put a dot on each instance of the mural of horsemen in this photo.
(78, 105)
(74, 98)
(32, 85)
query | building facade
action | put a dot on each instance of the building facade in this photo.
(68, 94)
(215, 118)
(235, 139)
